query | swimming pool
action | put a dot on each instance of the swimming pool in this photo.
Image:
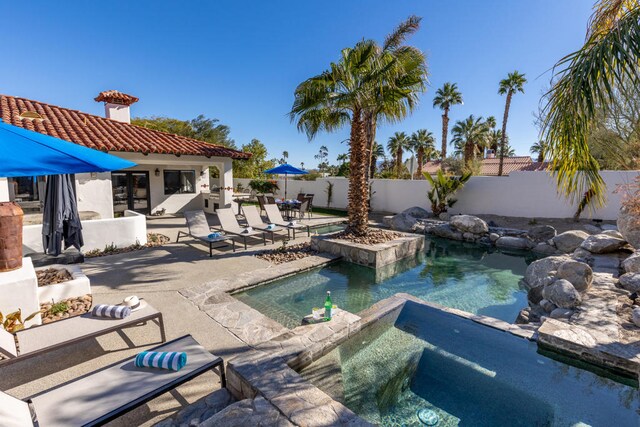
(328, 228)
(465, 276)
(467, 374)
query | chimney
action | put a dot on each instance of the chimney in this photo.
(116, 105)
(491, 154)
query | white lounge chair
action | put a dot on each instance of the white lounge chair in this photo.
(200, 229)
(104, 395)
(252, 215)
(275, 217)
(44, 338)
(229, 224)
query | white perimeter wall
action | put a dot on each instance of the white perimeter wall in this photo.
(97, 233)
(521, 194)
(4, 190)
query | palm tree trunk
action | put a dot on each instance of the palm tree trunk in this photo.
(445, 131)
(370, 129)
(358, 186)
(420, 162)
(469, 149)
(372, 166)
(503, 139)
(399, 162)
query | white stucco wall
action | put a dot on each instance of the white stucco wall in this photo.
(93, 192)
(4, 190)
(523, 194)
(97, 233)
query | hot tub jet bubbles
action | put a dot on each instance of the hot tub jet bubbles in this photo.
(428, 417)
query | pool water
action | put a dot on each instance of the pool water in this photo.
(465, 276)
(468, 374)
(328, 228)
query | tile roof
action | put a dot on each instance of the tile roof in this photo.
(489, 167)
(104, 134)
(116, 97)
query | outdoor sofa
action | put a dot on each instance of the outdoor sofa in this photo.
(200, 229)
(106, 394)
(44, 338)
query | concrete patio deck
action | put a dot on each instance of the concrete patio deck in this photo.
(155, 274)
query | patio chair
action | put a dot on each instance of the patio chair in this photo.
(229, 224)
(270, 200)
(254, 220)
(275, 217)
(302, 208)
(200, 229)
(262, 200)
(310, 197)
(106, 394)
(51, 336)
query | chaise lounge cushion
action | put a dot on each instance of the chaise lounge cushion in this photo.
(7, 344)
(90, 398)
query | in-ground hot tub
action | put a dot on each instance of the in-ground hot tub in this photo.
(465, 373)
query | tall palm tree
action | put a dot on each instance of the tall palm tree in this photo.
(469, 134)
(342, 158)
(385, 108)
(423, 144)
(398, 143)
(586, 81)
(376, 153)
(357, 83)
(447, 96)
(512, 84)
(539, 148)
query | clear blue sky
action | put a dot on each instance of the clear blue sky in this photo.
(241, 61)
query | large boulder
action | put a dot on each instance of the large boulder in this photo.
(629, 226)
(542, 271)
(561, 313)
(469, 224)
(569, 241)
(632, 263)
(446, 231)
(508, 242)
(403, 222)
(635, 316)
(592, 229)
(541, 233)
(602, 244)
(613, 233)
(562, 294)
(534, 295)
(544, 249)
(630, 282)
(418, 212)
(578, 273)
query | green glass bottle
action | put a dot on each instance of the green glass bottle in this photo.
(328, 305)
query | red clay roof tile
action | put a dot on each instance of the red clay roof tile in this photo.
(105, 134)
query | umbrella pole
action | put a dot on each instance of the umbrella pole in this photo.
(285, 186)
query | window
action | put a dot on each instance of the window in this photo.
(179, 182)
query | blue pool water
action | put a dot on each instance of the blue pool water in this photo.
(468, 374)
(460, 275)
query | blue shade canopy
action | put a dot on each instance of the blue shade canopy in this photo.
(286, 169)
(27, 153)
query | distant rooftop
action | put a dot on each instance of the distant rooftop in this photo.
(489, 167)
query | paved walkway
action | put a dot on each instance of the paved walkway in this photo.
(155, 274)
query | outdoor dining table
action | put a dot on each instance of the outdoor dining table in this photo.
(287, 206)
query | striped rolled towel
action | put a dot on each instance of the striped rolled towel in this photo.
(113, 311)
(174, 360)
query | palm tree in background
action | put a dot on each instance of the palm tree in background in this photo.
(342, 158)
(397, 145)
(539, 148)
(376, 153)
(507, 150)
(512, 84)
(445, 98)
(585, 82)
(468, 135)
(364, 78)
(302, 165)
(385, 108)
(423, 144)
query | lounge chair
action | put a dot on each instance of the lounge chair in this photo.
(106, 394)
(275, 217)
(229, 225)
(200, 229)
(252, 215)
(44, 338)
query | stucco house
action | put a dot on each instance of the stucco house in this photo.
(172, 172)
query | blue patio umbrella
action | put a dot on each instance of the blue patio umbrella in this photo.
(286, 169)
(27, 153)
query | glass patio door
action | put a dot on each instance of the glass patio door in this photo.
(130, 192)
